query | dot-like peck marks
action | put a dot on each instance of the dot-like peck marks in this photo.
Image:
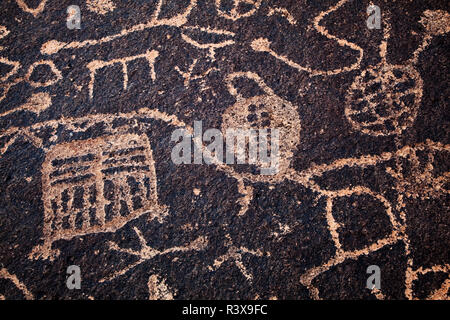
(384, 100)
(264, 111)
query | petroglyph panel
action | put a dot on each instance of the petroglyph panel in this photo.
(86, 174)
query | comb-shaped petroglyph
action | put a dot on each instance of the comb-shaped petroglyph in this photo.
(147, 253)
(96, 65)
(96, 185)
(384, 99)
(263, 45)
(240, 9)
(54, 46)
(34, 11)
(158, 289)
(4, 274)
(306, 178)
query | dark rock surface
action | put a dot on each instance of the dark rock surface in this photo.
(366, 181)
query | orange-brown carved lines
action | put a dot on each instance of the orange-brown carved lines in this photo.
(398, 233)
(234, 254)
(341, 254)
(3, 33)
(147, 253)
(441, 293)
(57, 76)
(96, 185)
(37, 103)
(283, 12)
(158, 290)
(435, 23)
(54, 46)
(272, 112)
(235, 13)
(189, 76)
(15, 67)
(101, 7)
(210, 46)
(75, 123)
(420, 182)
(4, 274)
(384, 99)
(23, 5)
(95, 65)
(263, 45)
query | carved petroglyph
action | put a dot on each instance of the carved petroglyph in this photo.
(101, 7)
(147, 253)
(267, 111)
(96, 186)
(54, 69)
(439, 294)
(96, 65)
(384, 99)
(4, 274)
(210, 46)
(37, 103)
(263, 45)
(3, 33)
(7, 85)
(234, 254)
(15, 67)
(398, 232)
(54, 46)
(284, 13)
(240, 9)
(190, 75)
(24, 6)
(158, 290)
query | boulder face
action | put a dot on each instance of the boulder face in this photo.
(343, 188)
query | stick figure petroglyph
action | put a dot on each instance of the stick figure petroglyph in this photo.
(234, 254)
(147, 253)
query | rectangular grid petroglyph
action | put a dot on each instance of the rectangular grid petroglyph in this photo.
(97, 185)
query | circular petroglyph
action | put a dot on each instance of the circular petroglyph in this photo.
(48, 82)
(266, 111)
(383, 100)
